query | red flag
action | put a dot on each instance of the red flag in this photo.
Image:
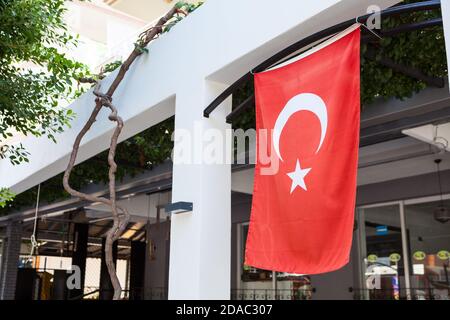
(302, 216)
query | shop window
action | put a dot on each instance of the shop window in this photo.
(429, 255)
(259, 284)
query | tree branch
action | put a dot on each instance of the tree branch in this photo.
(120, 215)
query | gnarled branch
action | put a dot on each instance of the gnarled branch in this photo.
(120, 215)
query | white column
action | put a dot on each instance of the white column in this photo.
(200, 244)
(445, 10)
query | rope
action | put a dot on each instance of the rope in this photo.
(368, 29)
(34, 243)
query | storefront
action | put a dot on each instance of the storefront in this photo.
(404, 250)
(401, 251)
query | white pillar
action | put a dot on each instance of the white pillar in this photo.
(200, 244)
(445, 11)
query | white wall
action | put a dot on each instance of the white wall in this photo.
(102, 30)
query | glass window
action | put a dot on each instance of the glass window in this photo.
(382, 265)
(429, 250)
(250, 273)
(258, 284)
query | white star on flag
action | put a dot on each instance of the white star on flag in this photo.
(298, 177)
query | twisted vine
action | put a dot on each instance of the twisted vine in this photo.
(119, 214)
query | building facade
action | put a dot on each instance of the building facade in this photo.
(401, 238)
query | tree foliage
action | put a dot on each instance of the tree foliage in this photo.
(5, 196)
(423, 50)
(35, 76)
(134, 155)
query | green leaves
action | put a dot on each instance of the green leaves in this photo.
(35, 77)
(181, 5)
(16, 153)
(5, 196)
(31, 104)
(423, 50)
(189, 7)
(140, 48)
(110, 67)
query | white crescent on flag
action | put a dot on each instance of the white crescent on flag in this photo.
(301, 102)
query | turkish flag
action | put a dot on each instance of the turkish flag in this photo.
(303, 213)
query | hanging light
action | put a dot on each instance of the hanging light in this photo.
(441, 212)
